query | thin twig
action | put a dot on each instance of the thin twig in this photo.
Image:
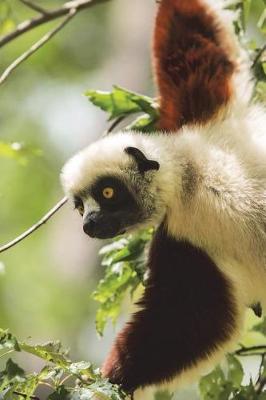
(36, 46)
(6, 353)
(114, 125)
(258, 56)
(30, 24)
(35, 7)
(41, 222)
(250, 351)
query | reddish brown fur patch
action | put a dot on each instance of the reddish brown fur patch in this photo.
(187, 311)
(193, 69)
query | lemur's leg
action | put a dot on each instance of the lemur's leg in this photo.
(187, 314)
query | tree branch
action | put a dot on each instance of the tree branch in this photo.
(114, 125)
(41, 222)
(258, 56)
(250, 351)
(36, 47)
(28, 25)
(35, 7)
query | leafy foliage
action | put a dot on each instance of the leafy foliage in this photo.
(220, 385)
(57, 370)
(124, 260)
(120, 103)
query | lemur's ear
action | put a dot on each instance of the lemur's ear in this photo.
(194, 59)
(142, 161)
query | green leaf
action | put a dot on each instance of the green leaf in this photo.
(125, 261)
(104, 390)
(121, 102)
(246, 392)
(144, 123)
(13, 378)
(262, 22)
(108, 310)
(50, 351)
(13, 371)
(235, 370)
(246, 4)
(261, 92)
(116, 277)
(60, 394)
(51, 372)
(8, 341)
(82, 369)
(163, 395)
(212, 385)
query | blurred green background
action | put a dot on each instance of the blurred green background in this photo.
(46, 280)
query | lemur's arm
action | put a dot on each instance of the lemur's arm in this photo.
(194, 62)
(187, 314)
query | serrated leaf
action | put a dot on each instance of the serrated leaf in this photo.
(82, 369)
(108, 310)
(61, 393)
(235, 370)
(13, 370)
(114, 246)
(51, 352)
(105, 390)
(124, 260)
(51, 372)
(8, 341)
(212, 385)
(144, 123)
(121, 102)
(116, 277)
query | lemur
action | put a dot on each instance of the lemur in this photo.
(200, 179)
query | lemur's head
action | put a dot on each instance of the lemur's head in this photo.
(114, 185)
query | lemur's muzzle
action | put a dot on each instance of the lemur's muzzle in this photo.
(97, 225)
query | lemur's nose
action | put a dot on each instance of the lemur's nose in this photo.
(89, 225)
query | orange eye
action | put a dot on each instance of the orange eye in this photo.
(108, 193)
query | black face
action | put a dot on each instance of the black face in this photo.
(118, 209)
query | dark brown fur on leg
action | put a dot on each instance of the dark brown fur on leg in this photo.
(187, 310)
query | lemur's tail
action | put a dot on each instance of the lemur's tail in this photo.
(194, 59)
